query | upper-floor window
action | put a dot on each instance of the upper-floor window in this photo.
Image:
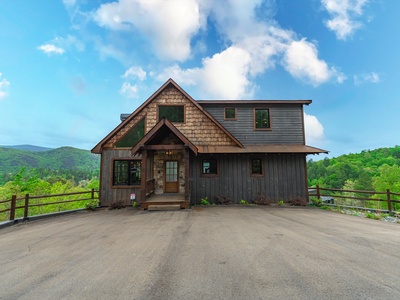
(133, 136)
(230, 113)
(261, 118)
(127, 172)
(174, 113)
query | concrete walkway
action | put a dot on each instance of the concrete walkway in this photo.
(202, 253)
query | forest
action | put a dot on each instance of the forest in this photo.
(370, 170)
(54, 171)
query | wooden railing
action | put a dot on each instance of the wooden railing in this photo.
(28, 202)
(390, 199)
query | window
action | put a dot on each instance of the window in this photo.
(209, 167)
(133, 136)
(256, 166)
(127, 172)
(261, 119)
(174, 113)
(230, 114)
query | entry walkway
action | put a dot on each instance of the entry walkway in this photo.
(166, 199)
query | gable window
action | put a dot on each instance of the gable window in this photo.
(256, 166)
(127, 172)
(230, 114)
(173, 113)
(133, 136)
(209, 167)
(261, 118)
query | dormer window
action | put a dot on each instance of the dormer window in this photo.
(230, 113)
(261, 119)
(173, 113)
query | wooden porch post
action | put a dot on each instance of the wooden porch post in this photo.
(144, 177)
(187, 174)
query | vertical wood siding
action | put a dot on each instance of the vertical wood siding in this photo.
(286, 122)
(109, 194)
(284, 177)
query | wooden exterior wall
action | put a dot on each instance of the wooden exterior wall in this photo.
(108, 193)
(286, 123)
(284, 177)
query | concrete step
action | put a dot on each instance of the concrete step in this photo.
(164, 207)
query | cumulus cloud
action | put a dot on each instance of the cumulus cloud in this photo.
(252, 43)
(169, 25)
(366, 78)
(343, 16)
(51, 49)
(129, 90)
(135, 72)
(314, 130)
(4, 85)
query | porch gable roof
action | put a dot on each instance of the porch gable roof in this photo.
(156, 129)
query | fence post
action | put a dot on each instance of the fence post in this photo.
(13, 205)
(388, 200)
(26, 207)
(318, 192)
(92, 193)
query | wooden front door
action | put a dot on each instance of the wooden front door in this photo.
(171, 182)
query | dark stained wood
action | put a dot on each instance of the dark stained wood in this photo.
(164, 147)
(187, 174)
(143, 178)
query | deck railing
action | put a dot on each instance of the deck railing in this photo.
(14, 205)
(150, 185)
(359, 199)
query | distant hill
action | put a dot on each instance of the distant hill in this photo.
(65, 161)
(29, 148)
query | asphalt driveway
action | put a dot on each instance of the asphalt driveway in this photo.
(203, 253)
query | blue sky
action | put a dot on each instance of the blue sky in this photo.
(68, 68)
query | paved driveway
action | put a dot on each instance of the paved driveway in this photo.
(203, 253)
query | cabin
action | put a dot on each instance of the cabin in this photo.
(178, 148)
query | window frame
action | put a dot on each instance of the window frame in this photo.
(230, 119)
(252, 174)
(269, 118)
(209, 174)
(184, 112)
(130, 161)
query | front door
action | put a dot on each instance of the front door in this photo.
(171, 183)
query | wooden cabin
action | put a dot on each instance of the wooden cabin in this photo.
(174, 146)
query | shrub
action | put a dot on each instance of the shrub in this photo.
(243, 202)
(204, 201)
(316, 201)
(117, 205)
(223, 200)
(281, 202)
(92, 205)
(262, 200)
(298, 201)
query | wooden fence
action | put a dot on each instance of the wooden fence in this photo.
(14, 202)
(388, 198)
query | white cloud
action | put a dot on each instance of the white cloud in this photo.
(343, 14)
(367, 78)
(69, 2)
(51, 49)
(4, 84)
(169, 25)
(301, 61)
(135, 72)
(314, 130)
(128, 90)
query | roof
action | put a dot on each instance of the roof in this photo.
(302, 102)
(156, 129)
(269, 148)
(99, 146)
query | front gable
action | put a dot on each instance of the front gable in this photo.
(198, 126)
